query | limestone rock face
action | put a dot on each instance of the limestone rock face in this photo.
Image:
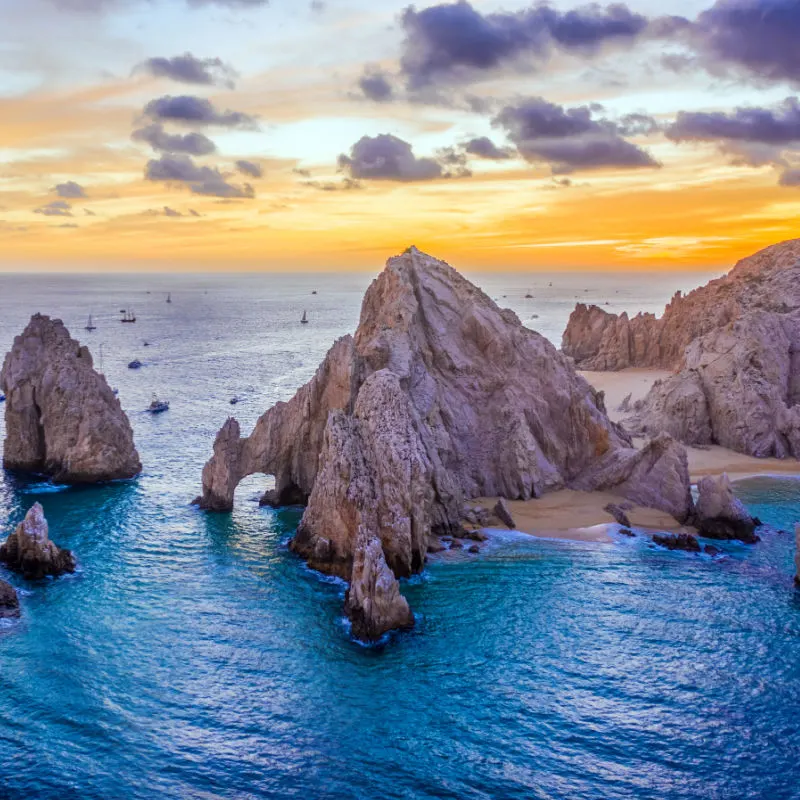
(739, 387)
(767, 281)
(373, 601)
(9, 602)
(720, 514)
(30, 552)
(440, 397)
(62, 418)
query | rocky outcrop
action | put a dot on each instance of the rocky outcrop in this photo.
(503, 514)
(677, 541)
(440, 397)
(373, 601)
(739, 388)
(619, 513)
(62, 418)
(767, 281)
(9, 602)
(719, 514)
(29, 551)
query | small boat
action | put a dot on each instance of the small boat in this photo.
(128, 316)
(169, 297)
(158, 406)
(314, 292)
(529, 296)
(90, 326)
(2, 398)
(135, 364)
(304, 320)
(234, 400)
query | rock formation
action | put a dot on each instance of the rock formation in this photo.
(797, 554)
(440, 397)
(30, 552)
(735, 347)
(9, 602)
(766, 281)
(677, 541)
(719, 514)
(503, 514)
(62, 419)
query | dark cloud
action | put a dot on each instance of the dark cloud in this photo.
(451, 39)
(200, 179)
(387, 158)
(780, 126)
(484, 147)
(193, 144)
(790, 177)
(250, 168)
(375, 84)
(758, 36)
(570, 138)
(58, 208)
(188, 69)
(191, 110)
(70, 190)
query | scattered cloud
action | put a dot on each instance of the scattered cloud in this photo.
(250, 168)
(70, 190)
(193, 144)
(569, 139)
(58, 208)
(190, 110)
(484, 147)
(375, 84)
(200, 179)
(189, 69)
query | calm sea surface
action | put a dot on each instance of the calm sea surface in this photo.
(192, 656)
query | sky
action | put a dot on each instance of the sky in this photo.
(291, 134)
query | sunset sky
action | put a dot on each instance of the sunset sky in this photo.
(242, 134)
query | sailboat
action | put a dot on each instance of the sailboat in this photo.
(128, 316)
(90, 326)
(304, 320)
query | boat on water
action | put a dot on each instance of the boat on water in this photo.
(128, 316)
(90, 326)
(169, 297)
(2, 398)
(304, 320)
(157, 406)
(529, 296)
(234, 400)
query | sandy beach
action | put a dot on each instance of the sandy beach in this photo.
(568, 514)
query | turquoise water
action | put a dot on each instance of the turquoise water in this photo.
(193, 656)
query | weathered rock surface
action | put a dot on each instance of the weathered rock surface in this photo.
(9, 602)
(440, 397)
(373, 601)
(29, 551)
(501, 511)
(618, 512)
(719, 514)
(677, 541)
(766, 281)
(62, 418)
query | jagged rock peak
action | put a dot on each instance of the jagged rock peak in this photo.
(62, 418)
(29, 551)
(769, 280)
(439, 397)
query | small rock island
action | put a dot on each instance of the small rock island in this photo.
(29, 551)
(62, 418)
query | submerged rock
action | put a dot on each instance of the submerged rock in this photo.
(29, 551)
(9, 602)
(439, 398)
(373, 601)
(503, 514)
(719, 514)
(677, 541)
(62, 418)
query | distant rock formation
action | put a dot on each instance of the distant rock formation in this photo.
(719, 514)
(9, 602)
(766, 281)
(62, 419)
(735, 347)
(29, 551)
(439, 397)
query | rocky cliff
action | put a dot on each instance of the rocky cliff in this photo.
(766, 281)
(439, 397)
(62, 418)
(29, 551)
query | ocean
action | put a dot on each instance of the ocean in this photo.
(193, 656)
